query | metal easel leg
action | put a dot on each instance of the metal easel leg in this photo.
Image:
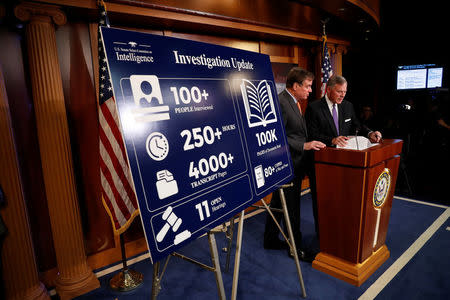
(229, 236)
(156, 287)
(156, 282)
(237, 259)
(216, 265)
(291, 236)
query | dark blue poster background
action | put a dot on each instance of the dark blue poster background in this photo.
(202, 130)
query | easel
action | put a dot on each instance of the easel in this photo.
(290, 241)
(157, 277)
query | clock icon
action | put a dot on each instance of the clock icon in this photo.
(157, 146)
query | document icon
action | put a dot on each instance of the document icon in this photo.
(259, 176)
(166, 185)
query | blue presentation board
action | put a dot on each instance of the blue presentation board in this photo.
(202, 130)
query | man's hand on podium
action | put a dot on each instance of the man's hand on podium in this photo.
(313, 145)
(340, 141)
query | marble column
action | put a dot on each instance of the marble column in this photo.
(74, 275)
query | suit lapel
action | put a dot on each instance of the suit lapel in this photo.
(328, 117)
(294, 107)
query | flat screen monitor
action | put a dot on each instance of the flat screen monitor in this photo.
(419, 77)
(434, 77)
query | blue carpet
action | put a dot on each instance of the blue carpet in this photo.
(271, 274)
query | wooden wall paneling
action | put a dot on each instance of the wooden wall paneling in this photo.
(83, 119)
(188, 19)
(302, 57)
(114, 255)
(372, 7)
(279, 53)
(277, 49)
(140, 29)
(287, 54)
(205, 22)
(285, 20)
(339, 51)
(219, 40)
(317, 50)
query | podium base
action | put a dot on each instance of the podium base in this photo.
(352, 273)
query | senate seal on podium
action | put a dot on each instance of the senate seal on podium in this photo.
(382, 187)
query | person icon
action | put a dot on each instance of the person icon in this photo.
(145, 89)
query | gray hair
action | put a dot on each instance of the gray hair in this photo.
(336, 79)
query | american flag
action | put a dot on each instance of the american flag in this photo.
(326, 70)
(118, 194)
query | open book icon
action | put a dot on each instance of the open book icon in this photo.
(258, 102)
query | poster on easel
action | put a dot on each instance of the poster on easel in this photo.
(202, 130)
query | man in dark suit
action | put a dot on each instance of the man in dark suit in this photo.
(332, 119)
(298, 87)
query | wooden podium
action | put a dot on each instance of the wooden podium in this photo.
(354, 198)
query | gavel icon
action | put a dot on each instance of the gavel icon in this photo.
(171, 221)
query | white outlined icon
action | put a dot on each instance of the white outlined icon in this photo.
(148, 100)
(171, 221)
(157, 146)
(258, 103)
(182, 236)
(166, 185)
(174, 222)
(259, 176)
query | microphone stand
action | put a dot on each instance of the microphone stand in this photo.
(356, 138)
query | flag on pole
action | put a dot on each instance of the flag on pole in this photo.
(326, 70)
(118, 195)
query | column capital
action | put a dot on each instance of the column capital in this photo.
(341, 49)
(331, 48)
(28, 11)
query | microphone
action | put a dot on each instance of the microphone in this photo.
(356, 138)
(171, 221)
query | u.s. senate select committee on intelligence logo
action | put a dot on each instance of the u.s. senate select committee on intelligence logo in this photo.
(382, 187)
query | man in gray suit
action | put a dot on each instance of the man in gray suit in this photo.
(298, 87)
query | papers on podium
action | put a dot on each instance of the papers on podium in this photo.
(358, 143)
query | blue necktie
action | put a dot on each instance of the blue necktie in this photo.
(335, 118)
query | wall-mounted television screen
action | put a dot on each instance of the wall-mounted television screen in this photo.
(419, 76)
